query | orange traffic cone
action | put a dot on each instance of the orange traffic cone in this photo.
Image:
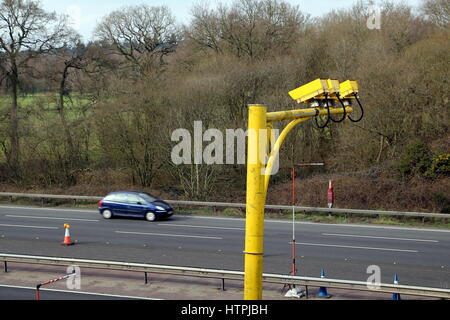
(67, 240)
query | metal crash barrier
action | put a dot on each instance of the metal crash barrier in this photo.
(227, 275)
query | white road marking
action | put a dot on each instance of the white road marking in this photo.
(203, 227)
(79, 292)
(169, 235)
(332, 225)
(353, 247)
(21, 226)
(373, 237)
(51, 218)
(87, 211)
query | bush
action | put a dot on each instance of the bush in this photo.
(442, 201)
(417, 159)
(440, 166)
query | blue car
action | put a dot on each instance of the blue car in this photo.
(134, 204)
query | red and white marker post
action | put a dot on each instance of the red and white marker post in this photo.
(330, 195)
(304, 164)
(38, 287)
(295, 292)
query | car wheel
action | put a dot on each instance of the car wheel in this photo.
(150, 216)
(107, 214)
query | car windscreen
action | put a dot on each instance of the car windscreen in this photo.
(147, 197)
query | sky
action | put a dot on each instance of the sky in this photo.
(87, 13)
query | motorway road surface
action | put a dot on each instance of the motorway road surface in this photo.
(419, 256)
(26, 293)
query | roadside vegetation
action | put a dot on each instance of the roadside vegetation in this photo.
(87, 118)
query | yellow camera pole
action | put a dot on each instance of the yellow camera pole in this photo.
(258, 176)
(256, 198)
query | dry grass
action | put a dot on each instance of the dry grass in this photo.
(356, 192)
(365, 193)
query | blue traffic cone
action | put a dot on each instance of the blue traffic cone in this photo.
(322, 290)
(396, 296)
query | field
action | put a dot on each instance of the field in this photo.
(38, 112)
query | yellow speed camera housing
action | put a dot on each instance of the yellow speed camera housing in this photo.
(316, 89)
(334, 89)
(348, 89)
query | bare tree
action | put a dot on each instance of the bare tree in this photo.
(144, 35)
(250, 28)
(74, 59)
(438, 11)
(26, 32)
(204, 30)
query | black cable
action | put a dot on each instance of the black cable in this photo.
(345, 111)
(328, 116)
(362, 110)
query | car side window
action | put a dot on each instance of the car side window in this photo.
(111, 197)
(120, 198)
(133, 199)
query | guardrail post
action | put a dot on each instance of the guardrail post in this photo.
(6, 266)
(223, 284)
(38, 294)
(146, 278)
